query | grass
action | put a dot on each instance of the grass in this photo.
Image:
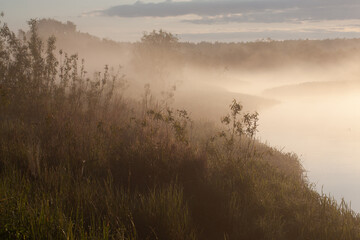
(79, 161)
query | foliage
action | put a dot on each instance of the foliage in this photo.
(157, 60)
(79, 161)
(160, 39)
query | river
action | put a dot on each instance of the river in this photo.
(324, 131)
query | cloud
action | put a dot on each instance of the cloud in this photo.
(210, 12)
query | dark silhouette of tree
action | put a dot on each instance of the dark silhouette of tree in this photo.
(160, 39)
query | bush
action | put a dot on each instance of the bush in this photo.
(79, 161)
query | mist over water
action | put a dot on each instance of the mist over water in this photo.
(319, 121)
(314, 113)
(324, 132)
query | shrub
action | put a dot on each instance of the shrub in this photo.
(79, 161)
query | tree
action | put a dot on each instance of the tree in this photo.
(160, 39)
(158, 61)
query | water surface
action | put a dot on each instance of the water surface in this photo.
(324, 131)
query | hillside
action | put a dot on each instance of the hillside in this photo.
(265, 53)
(80, 159)
(208, 69)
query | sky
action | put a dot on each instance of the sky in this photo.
(196, 20)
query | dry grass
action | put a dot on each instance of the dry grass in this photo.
(78, 161)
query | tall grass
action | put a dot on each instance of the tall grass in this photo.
(79, 161)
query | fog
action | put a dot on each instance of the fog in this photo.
(307, 93)
(317, 117)
(311, 111)
(324, 132)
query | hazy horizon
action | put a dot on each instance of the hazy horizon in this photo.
(224, 21)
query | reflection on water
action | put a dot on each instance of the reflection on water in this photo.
(325, 133)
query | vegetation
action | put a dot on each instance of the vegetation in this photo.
(78, 160)
(258, 55)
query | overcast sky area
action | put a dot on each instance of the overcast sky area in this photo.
(196, 20)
